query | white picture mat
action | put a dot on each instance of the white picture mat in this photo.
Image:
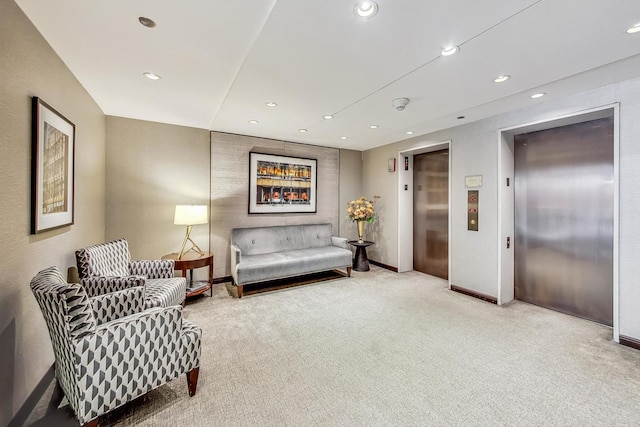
(45, 221)
(254, 207)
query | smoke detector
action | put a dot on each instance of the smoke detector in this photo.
(400, 103)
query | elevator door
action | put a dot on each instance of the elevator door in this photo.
(431, 213)
(563, 242)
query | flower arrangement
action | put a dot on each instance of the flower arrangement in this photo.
(362, 209)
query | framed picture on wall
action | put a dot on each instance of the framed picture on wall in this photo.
(281, 184)
(52, 168)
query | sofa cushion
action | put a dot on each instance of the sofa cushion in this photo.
(316, 235)
(265, 240)
(261, 267)
(165, 292)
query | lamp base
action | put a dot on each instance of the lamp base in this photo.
(194, 246)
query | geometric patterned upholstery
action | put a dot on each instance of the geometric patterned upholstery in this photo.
(108, 349)
(107, 267)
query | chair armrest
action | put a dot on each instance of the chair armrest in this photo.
(100, 285)
(340, 242)
(152, 269)
(191, 338)
(236, 257)
(115, 305)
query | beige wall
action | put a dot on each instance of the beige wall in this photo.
(229, 189)
(350, 188)
(29, 67)
(151, 167)
(474, 149)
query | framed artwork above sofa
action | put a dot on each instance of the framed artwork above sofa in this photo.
(282, 184)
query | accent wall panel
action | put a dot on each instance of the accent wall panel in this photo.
(230, 189)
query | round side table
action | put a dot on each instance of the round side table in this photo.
(361, 262)
(189, 262)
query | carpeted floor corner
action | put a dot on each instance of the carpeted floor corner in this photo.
(382, 348)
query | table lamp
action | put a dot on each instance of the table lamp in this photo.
(190, 215)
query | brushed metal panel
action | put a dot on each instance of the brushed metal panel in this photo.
(564, 219)
(431, 213)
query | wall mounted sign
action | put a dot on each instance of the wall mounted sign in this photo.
(52, 167)
(473, 181)
(281, 184)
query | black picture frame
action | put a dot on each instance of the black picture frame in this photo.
(282, 184)
(52, 168)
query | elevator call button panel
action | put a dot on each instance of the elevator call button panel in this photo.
(472, 210)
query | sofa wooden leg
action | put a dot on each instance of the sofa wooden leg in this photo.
(239, 287)
(348, 271)
(92, 423)
(192, 381)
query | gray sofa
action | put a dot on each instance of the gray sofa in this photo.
(259, 254)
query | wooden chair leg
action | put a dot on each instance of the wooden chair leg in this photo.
(192, 381)
(239, 287)
(348, 271)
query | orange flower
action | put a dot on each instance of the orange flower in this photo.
(362, 209)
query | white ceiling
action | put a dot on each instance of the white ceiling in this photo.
(222, 60)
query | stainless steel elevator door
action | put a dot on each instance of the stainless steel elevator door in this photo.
(431, 213)
(563, 242)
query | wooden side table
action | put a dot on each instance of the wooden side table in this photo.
(189, 262)
(361, 261)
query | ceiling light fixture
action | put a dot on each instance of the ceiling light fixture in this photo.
(271, 104)
(365, 9)
(501, 79)
(633, 29)
(151, 76)
(449, 50)
(147, 22)
(409, 132)
(343, 137)
(538, 95)
(373, 127)
(302, 130)
(254, 122)
(328, 116)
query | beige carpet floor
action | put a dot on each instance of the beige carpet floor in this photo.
(382, 348)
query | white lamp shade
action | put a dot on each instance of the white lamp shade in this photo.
(191, 215)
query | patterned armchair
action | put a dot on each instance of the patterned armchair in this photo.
(108, 349)
(108, 267)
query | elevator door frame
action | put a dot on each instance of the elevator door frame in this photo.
(405, 204)
(506, 207)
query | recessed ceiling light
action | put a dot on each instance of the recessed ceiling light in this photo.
(373, 127)
(365, 8)
(328, 116)
(254, 122)
(409, 132)
(449, 50)
(634, 29)
(302, 130)
(152, 76)
(538, 95)
(147, 22)
(271, 104)
(502, 78)
(343, 137)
